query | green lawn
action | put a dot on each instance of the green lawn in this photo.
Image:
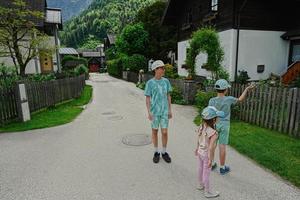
(273, 150)
(50, 117)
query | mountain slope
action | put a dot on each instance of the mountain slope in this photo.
(102, 16)
(69, 8)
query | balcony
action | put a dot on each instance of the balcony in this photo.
(53, 16)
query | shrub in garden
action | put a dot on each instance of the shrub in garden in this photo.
(77, 61)
(243, 77)
(8, 76)
(177, 97)
(202, 99)
(114, 67)
(41, 77)
(134, 63)
(82, 69)
(141, 85)
(170, 72)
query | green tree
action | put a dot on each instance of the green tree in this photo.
(102, 16)
(90, 43)
(162, 38)
(132, 40)
(19, 38)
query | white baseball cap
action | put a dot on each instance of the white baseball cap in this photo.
(156, 64)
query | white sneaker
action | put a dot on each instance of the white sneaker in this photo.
(211, 194)
(200, 187)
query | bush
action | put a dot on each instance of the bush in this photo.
(77, 61)
(141, 85)
(41, 77)
(114, 67)
(8, 76)
(170, 72)
(222, 74)
(176, 96)
(243, 77)
(134, 63)
(82, 69)
(202, 99)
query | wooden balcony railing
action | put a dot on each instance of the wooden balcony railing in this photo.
(291, 74)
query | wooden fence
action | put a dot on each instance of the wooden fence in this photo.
(270, 107)
(44, 94)
(40, 95)
(8, 104)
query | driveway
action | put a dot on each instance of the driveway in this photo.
(87, 160)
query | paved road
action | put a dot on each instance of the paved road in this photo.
(86, 159)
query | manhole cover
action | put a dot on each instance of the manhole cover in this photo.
(137, 140)
(108, 113)
(115, 118)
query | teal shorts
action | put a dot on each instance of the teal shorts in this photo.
(223, 128)
(160, 121)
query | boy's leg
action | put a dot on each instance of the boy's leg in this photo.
(155, 125)
(164, 138)
(223, 141)
(222, 151)
(156, 155)
(155, 138)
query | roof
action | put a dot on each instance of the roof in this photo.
(111, 38)
(290, 34)
(171, 12)
(36, 5)
(68, 51)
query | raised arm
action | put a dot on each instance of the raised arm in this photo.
(244, 94)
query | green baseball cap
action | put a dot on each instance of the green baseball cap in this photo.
(222, 84)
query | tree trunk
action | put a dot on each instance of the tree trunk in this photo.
(22, 70)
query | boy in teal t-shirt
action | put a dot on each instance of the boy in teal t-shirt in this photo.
(158, 102)
(223, 103)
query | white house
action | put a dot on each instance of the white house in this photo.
(259, 37)
(50, 24)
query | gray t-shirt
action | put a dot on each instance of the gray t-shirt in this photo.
(223, 104)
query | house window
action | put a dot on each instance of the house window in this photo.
(294, 51)
(214, 5)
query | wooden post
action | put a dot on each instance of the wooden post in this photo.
(282, 110)
(293, 111)
(297, 121)
(22, 103)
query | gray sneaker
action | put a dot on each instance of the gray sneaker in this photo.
(211, 194)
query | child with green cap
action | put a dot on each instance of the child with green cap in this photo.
(223, 103)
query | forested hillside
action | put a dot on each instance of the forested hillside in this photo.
(69, 8)
(102, 16)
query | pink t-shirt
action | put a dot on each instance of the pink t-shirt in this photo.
(205, 132)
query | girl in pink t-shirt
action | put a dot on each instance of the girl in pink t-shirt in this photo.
(207, 136)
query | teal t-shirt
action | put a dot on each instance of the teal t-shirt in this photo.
(223, 104)
(158, 91)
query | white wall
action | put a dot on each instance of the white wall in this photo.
(181, 49)
(262, 48)
(255, 48)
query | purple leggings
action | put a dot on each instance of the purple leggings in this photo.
(203, 172)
